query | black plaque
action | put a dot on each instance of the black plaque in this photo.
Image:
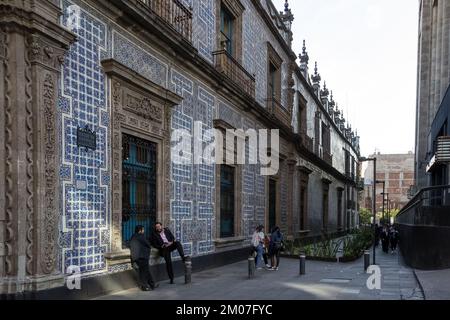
(86, 138)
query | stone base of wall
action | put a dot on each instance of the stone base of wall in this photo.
(8, 285)
(425, 247)
(106, 284)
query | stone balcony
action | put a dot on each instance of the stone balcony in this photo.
(173, 12)
(232, 69)
(276, 109)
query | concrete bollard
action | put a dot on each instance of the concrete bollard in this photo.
(366, 260)
(302, 264)
(251, 267)
(188, 270)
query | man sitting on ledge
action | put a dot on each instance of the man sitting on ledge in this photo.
(163, 240)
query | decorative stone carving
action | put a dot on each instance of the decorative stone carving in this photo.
(137, 106)
(31, 46)
(9, 239)
(2, 44)
(50, 164)
(144, 108)
(290, 91)
(42, 52)
(35, 48)
(30, 165)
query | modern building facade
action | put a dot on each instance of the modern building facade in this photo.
(93, 92)
(433, 83)
(397, 173)
(424, 223)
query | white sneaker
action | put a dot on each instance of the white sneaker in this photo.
(268, 266)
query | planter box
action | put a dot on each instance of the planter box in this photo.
(324, 259)
(350, 259)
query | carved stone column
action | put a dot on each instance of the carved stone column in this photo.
(32, 48)
(291, 196)
(303, 173)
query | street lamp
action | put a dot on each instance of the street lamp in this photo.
(384, 185)
(374, 198)
(386, 199)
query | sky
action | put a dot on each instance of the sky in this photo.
(367, 53)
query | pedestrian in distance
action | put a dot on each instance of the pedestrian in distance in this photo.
(266, 251)
(377, 235)
(163, 240)
(140, 255)
(385, 239)
(393, 237)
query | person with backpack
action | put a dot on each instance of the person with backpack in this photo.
(276, 243)
(258, 245)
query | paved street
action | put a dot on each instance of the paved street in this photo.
(342, 281)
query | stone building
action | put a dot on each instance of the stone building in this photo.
(91, 94)
(424, 223)
(433, 111)
(397, 172)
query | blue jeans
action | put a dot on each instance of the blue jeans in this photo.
(259, 256)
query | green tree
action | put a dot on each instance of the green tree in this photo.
(365, 216)
(393, 213)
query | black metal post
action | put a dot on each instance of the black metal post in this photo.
(251, 267)
(374, 206)
(384, 185)
(389, 208)
(302, 264)
(188, 270)
(366, 259)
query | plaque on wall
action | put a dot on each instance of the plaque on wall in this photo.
(86, 138)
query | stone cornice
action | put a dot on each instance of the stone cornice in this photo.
(19, 19)
(113, 67)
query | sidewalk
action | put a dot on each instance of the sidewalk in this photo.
(329, 281)
(435, 284)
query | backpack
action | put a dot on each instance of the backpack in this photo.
(255, 239)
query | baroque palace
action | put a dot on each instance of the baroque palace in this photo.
(90, 94)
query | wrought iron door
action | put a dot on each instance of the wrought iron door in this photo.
(138, 185)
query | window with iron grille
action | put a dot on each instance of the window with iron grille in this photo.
(227, 201)
(139, 171)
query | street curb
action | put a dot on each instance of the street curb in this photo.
(420, 284)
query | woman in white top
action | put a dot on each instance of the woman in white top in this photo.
(258, 244)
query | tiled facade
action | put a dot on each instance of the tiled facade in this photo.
(86, 98)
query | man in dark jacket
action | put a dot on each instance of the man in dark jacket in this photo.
(164, 241)
(140, 255)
